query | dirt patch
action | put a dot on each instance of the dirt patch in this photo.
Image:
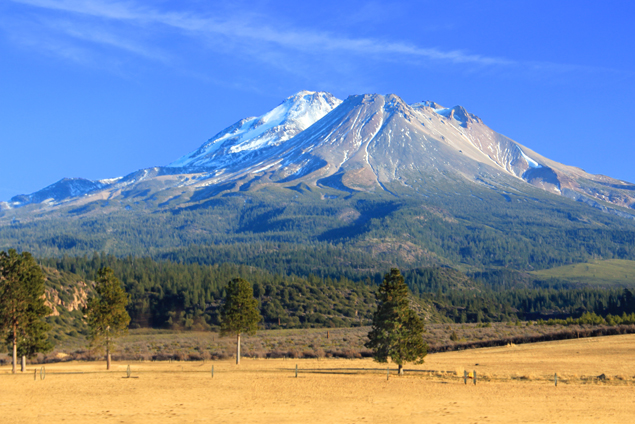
(386, 248)
(348, 215)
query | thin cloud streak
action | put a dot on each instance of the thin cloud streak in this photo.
(105, 37)
(247, 34)
(303, 41)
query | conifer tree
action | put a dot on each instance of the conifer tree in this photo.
(22, 305)
(34, 339)
(397, 331)
(240, 312)
(106, 312)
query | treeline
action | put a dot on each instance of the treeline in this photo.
(320, 259)
(590, 318)
(532, 304)
(166, 294)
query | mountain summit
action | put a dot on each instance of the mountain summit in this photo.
(249, 135)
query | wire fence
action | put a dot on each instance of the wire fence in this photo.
(446, 376)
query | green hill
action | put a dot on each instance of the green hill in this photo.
(611, 272)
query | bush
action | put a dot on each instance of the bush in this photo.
(194, 356)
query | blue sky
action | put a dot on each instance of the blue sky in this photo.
(101, 88)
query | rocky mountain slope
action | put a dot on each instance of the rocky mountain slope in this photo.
(366, 143)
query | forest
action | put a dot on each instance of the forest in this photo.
(188, 296)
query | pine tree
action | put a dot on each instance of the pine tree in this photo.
(35, 340)
(22, 305)
(107, 315)
(397, 331)
(240, 312)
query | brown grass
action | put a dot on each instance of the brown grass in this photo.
(514, 384)
(148, 344)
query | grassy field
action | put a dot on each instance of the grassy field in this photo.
(612, 272)
(514, 384)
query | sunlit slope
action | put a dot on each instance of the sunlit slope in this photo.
(611, 272)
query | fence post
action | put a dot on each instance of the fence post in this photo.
(555, 378)
(387, 373)
(475, 377)
(128, 371)
(212, 371)
(296, 370)
(465, 376)
(35, 374)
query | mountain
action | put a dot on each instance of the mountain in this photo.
(365, 143)
(384, 181)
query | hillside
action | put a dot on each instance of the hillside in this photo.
(609, 273)
(66, 295)
(469, 227)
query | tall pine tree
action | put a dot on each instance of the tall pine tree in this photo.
(107, 315)
(397, 331)
(22, 305)
(240, 312)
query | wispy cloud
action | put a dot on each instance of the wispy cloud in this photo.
(239, 30)
(138, 29)
(106, 37)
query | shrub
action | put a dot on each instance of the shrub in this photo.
(194, 356)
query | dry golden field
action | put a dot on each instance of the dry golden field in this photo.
(514, 384)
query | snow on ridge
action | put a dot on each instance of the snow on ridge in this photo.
(292, 116)
(108, 181)
(532, 163)
(428, 103)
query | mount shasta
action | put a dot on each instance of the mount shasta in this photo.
(366, 143)
(417, 183)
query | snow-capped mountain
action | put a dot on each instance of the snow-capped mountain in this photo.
(250, 135)
(63, 189)
(368, 143)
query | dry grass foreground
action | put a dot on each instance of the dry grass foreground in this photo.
(517, 386)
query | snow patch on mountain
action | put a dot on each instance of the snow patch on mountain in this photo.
(290, 118)
(62, 189)
(444, 111)
(532, 163)
(109, 181)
